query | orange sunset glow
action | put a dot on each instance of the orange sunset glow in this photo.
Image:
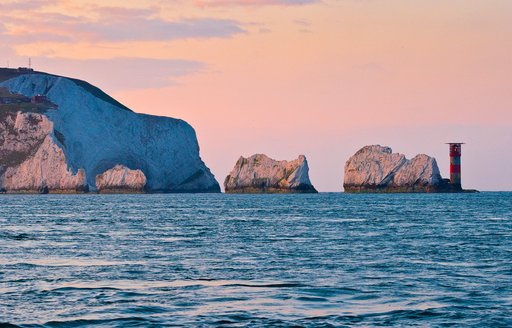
(282, 77)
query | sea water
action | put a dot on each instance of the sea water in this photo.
(322, 260)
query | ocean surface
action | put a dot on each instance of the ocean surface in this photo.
(194, 260)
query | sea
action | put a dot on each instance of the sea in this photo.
(219, 260)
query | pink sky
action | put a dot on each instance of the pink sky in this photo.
(283, 77)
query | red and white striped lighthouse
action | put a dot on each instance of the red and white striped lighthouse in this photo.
(455, 153)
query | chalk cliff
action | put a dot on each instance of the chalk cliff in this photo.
(64, 147)
(30, 160)
(378, 169)
(261, 174)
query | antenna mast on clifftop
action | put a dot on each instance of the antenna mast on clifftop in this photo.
(29, 62)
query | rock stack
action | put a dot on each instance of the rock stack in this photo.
(261, 174)
(378, 169)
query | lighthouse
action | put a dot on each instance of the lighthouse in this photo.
(455, 153)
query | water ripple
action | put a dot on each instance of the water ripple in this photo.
(327, 260)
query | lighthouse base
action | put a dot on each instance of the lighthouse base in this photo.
(446, 186)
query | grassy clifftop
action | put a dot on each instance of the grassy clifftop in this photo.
(10, 102)
(10, 73)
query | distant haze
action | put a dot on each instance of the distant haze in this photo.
(320, 78)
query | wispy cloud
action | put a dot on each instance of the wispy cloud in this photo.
(302, 22)
(254, 2)
(122, 73)
(22, 5)
(26, 23)
(160, 30)
(111, 24)
(5, 53)
(305, 25)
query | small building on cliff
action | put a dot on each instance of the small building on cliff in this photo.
(39, 99)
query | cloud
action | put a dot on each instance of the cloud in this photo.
(22, 5)
(159, 30)
(220, 3)
(5, 48)
(112, 24)
(122, 73)
(14, 39)
(5, 53)
(122, 12)
(302, 22)
(304, 25)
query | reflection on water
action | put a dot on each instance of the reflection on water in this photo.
(256, 260)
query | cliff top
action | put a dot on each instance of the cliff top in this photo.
(10, 73)
(262, 158)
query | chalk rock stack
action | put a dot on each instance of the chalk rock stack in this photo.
(121, 179)
(261, 174)
(378, 169)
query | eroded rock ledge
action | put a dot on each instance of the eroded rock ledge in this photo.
(121, 179)
(261, 174)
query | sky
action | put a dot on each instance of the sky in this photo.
(321, 78)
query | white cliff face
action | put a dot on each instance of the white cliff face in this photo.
(260, 173)
(31, 160)
(21, 132)
(120, 178)
(377, 168)
(96, 134)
